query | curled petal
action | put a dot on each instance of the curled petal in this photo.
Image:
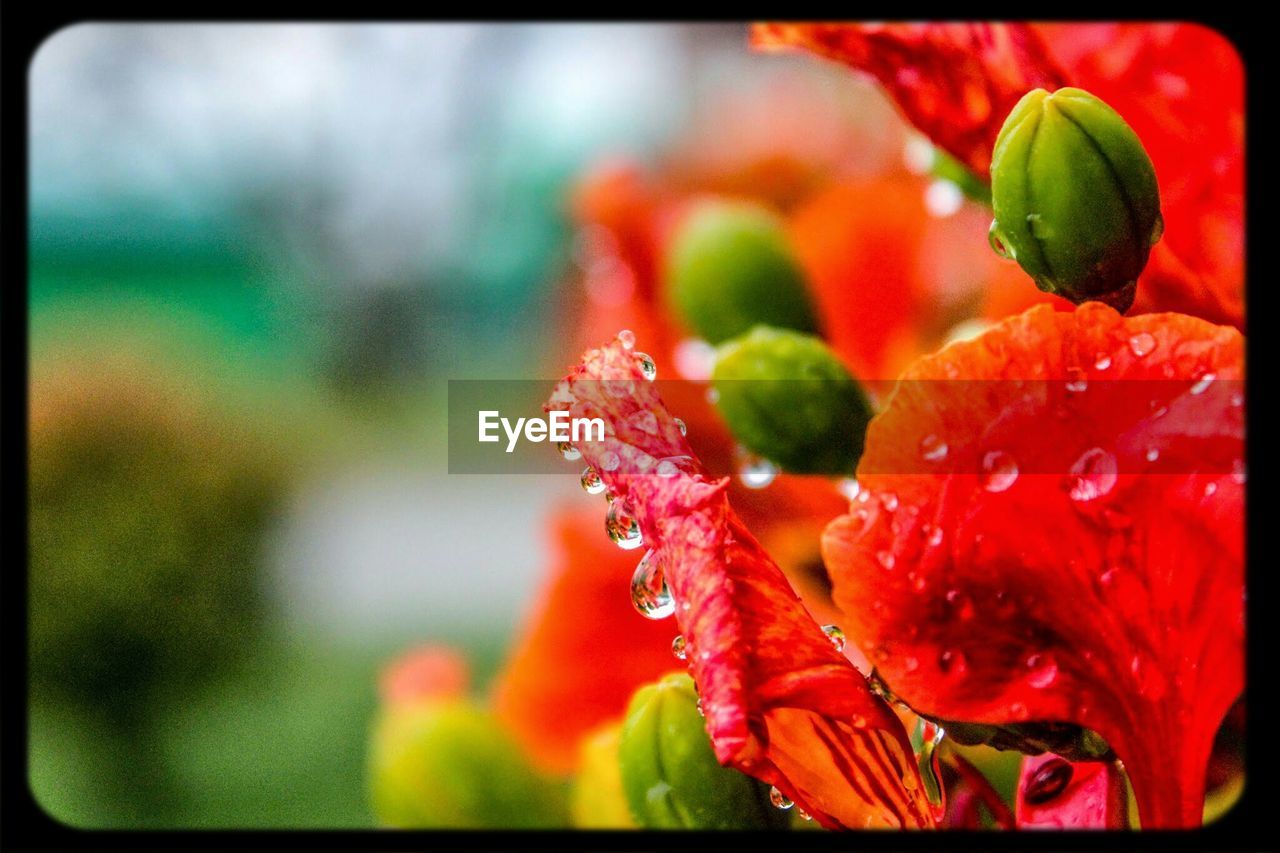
(955, 82)
(782, 704)
(1076, 555)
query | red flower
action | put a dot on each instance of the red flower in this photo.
(583, 651)
(1180, 86)
(782, 704)
(1076, 555)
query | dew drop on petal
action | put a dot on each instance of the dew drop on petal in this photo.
(622, 527)
(1077, 381)
(997, 244)
(933, 449)
(592, 482)
(627, 338)
(610, 461)
(1092, 476)
(1238, 471)
(568, 451)
(702, 712)
(756, 472)
(648, 368)
(1202, 384)
(1142, 344)
(649, 593)
(679, 647)
(933, 535)
(889, 501)
(999, 471)
(952, 662)
(886, 559)
(804, 815)
(1102, 361)
(849, 488)
(779, 799)
(1153, 453)
(682, 426)
(1210, 489)
(1043, 671)
(835, 635)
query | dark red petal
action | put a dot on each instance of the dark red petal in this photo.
(1054, 793)
(955, 82)
(582, 651)
(782, 704)
(1123, 614)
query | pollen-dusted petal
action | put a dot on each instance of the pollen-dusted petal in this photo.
(583, 650)
(955, 82)
(1078, 557)
(781, 702)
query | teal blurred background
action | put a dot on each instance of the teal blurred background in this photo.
(257, 254)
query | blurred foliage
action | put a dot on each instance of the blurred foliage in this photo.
(148, 512)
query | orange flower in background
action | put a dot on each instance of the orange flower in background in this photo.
(582, 651)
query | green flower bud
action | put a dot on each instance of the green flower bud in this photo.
(1075, 197)
(786, 397)
(669, 771)
(730, 267)
(596, 800)
(449, 764)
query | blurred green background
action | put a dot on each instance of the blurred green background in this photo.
(257, 254)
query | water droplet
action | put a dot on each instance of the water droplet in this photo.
(610, 461)
(886, 559)
(1077, 380)
(1142, 344)
(804, 815)
(779, 799)
(911, 664)
(1210, 489)
(952, 661)
(889, 501)
(1043, 671)
(849, 488)
(592, 482)
(1238, 471)
(997, 243)
(647, 366)
(930, 735)
(1102, 361)
(649, 593)
(627, 338)
(932, 535)
(756, 472)
(933, 449)
(835, 635)
(679, 647)
(999, 471)
(568, 451)
(1093, 475)
(702, 712)
(672, 466)
(622, 526)
(1203, 383)
(645, 421)
(1049, 780)
(1153, 453)
(682, 426)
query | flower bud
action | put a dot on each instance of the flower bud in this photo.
(786, 397)
(730, 267)
(596, 800)
(669, 771)
(1075, 197)
(449, 764)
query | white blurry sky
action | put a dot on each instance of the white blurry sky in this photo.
(394, 121)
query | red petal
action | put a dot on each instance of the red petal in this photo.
(781, 703)
(1123, 614)
(583, 651)
(955, 82)
(427, 672)
(1057, 794)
